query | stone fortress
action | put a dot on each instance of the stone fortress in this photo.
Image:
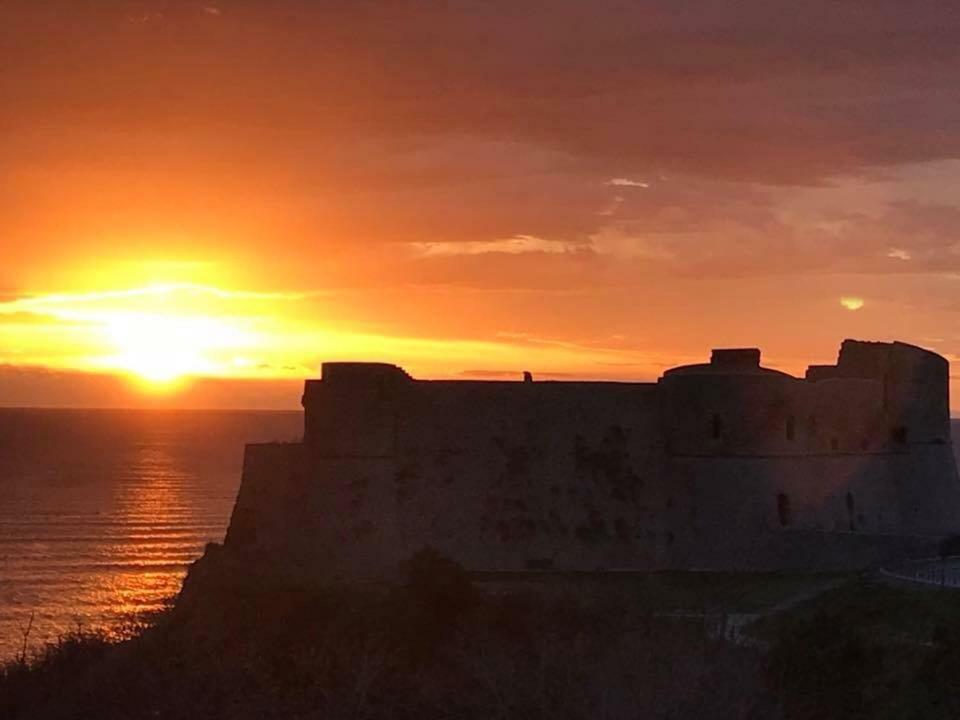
(725, 465)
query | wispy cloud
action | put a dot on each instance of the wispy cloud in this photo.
(517, 245)
(627, 182)
(44, 302)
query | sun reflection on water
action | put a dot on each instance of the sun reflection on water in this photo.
(103, 511)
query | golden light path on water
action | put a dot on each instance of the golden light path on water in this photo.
(104, 510)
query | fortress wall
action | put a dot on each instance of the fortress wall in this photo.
(771, 414)
(352, 411)
(563, 475)
(737, 512)
(496, 475)
(928, 489)
(270, 475)
(918, 395)
(266, 531)
(844, 415)
(310, 519)
(724, 466)
(328, 518)
(708, 414)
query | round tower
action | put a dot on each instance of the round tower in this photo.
(731, 406)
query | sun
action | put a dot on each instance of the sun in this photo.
(163, 350)
(852, 303)
(160, 368)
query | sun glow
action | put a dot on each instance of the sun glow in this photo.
(163, 337)
(156, 349)
(165, 349)
(160, 335)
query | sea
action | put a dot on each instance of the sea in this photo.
(101, 511)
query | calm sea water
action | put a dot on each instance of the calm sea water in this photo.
(102, 511)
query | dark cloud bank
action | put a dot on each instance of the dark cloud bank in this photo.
(462, 121)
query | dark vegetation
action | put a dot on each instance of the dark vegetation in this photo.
(435, 646)
(869, 650)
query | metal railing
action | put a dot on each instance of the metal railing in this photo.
(943, 572)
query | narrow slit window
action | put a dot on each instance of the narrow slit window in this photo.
(717, 427)
(783, 509)
(791, 428)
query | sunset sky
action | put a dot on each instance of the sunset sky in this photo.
(202, 201)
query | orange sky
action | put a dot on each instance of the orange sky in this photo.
(202, 201)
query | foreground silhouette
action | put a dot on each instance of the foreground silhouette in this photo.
(435, 646)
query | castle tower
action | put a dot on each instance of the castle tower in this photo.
(913, 424)
(729, 406)
(351, 411)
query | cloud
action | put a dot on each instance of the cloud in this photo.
(671, 139)
(574, 170)
(520, 244)
(492, 121)
(50, 302)
(626, 182)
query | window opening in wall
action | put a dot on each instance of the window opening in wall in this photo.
(850, 515)
(899, 434)
(791, 428)
(834, 444)
(717, 427)
(783, 509)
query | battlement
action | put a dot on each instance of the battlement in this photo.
(361, 372)
(879, 360)
(879, 397)
(736, 357)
